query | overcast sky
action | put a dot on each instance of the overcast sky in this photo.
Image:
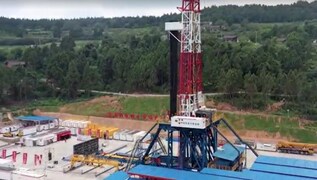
(37, 9)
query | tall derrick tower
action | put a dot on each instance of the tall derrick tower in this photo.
(190, 120)
(190, 97)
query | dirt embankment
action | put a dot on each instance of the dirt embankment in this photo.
(258, 136)
(114, 122)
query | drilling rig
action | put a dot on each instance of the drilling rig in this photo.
(190, 120)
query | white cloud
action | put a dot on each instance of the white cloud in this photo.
(37, 9)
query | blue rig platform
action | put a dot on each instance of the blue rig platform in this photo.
(265, 167)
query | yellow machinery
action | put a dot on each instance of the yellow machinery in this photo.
(295, 148)
(10, 134)
(98, 131)
(93, 161)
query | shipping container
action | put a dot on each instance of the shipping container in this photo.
(46, 140)
(6, 163)
(130, 136)
(12, 128)
(123, 135)
(6, 173)
(73, 131)
(116, 135)
(27, 131)
(27, 174)
(140, 135)
(29, 141)
(83, 137)
(62, 135)
(111, 132)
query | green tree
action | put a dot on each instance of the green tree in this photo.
(72, 80)
(231, 82)
(250, 86)
(67, 44)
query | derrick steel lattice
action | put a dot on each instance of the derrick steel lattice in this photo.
(190, 97)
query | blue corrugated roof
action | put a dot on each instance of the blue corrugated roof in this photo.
(120, 175)
(228, 153)
(167, 173)
(218, 172)
(283, 170)
(288, 162)
(246, 174)
(35, 118)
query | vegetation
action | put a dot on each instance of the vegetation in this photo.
(274, 60)
(276, 126)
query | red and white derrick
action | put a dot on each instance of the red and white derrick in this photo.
(190, 87)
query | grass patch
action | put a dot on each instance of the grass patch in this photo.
(253, 122)
(145, 105)
(82, 108)
(286, 127)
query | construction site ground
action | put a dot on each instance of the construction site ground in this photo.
(65, 149)
(258, 136)
(59, 150)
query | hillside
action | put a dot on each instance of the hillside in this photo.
(251, 125)
(28, 32)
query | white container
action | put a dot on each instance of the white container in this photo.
(78, 124)
(123, 135)
(60, 122)
(85, 124)
(6, 163)
(6, 174)
(46, 140)
(116, 135)
(73, 131)
(28, 130)
(83, 137)
(140, 135)
(15, 127)
(51, 125)
(129, 135)
(189, 122)
(27, 174)
(29, 141)
(5, 129)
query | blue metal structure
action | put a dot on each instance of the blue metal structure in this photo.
(228, 153)
(287, 162)
(161, 173)
(120, 175)
(196, 147)
(35, 118)
(265, 167)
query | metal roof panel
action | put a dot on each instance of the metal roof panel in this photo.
(120, 175)
(167, 173)
(228, 152)
(35, 118)
(288, 162)
(282, 170)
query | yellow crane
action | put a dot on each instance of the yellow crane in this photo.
(92, 160)
(295, 148)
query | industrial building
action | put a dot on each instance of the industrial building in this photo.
(40, 122)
